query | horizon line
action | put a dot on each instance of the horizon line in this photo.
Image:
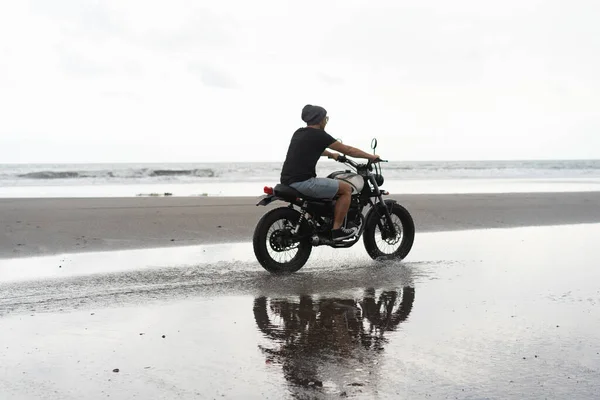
(281, 161)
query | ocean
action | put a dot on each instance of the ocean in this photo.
(248, 179)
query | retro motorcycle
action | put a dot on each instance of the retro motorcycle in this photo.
(284, 237)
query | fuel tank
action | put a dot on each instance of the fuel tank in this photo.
(356, 181)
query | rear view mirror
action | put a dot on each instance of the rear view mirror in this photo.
(374, 144)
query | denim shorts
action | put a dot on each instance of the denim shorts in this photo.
(319, 188)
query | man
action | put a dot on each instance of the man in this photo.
(307, 145)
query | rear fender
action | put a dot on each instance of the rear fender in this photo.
(268, 199)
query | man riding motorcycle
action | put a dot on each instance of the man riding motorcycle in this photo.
(307, 145)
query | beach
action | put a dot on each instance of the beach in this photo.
(51, 226)
(162, 297)
(137, 140)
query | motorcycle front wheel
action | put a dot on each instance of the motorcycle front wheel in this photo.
(382, 245)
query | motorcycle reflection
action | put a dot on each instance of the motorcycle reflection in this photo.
(329, 342)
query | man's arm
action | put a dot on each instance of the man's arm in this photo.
(352, 151)
(330, 155)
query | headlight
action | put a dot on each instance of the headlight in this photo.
(379, 179)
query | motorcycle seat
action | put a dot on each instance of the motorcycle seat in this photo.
(288, 192)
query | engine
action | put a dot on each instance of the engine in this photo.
(353, 211)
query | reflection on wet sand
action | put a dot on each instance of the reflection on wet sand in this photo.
(331, 344)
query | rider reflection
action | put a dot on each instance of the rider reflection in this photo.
(324, 341)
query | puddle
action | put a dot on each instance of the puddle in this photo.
(495, 314)
(447, 247)
(93, 263)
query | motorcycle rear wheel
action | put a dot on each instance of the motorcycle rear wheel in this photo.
(272, 238)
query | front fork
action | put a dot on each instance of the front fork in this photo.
(391, 231)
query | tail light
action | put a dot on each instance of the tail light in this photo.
(385, 192)
(268, 190)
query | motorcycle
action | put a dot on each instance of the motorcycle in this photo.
(284, 237)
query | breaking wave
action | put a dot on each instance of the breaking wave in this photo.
(75, 174)
(123, 174)
(50, 175)
(206, 173)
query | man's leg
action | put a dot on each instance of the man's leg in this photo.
(342, 204)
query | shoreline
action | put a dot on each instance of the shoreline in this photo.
(49, 226)
(254, 187)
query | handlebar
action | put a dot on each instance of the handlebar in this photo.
(344, 159)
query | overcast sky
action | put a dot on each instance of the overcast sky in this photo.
(193, 80)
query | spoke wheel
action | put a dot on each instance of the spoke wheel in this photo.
(276, 247)
(380, 243)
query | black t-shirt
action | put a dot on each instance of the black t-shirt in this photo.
(306, 146)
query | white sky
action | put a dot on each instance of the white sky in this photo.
(192, 80)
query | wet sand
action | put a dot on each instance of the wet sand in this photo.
(484, 314)
(53, 226)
